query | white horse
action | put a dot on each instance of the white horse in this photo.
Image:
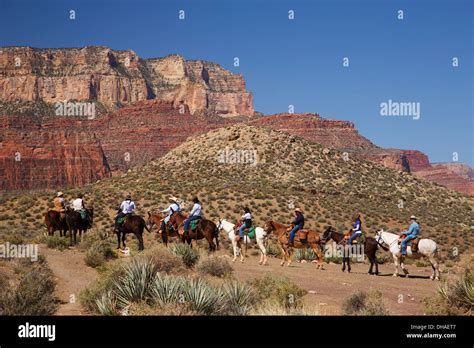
(426, 248)
(260, 235)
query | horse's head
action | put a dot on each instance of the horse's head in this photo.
(327, 234)
(219, 224)
(91, 214)
(269, 226)
(378, 236)
(153, 219)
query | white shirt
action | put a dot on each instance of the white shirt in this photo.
(196, 211)
(173, 207)
(77, 204)
(127, 206)
(247, 216)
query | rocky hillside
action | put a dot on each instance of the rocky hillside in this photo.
(115, 77)
(272, 172)
(343, 136)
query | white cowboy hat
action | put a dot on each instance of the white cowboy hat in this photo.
(413, 217)
(59, 194)
(174, 199)
(298, 210)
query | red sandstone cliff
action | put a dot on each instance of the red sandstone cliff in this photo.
(119, 77)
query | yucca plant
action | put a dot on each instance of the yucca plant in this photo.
(166, 289)
(237, 298)
(460, 294)
(187, 254)
(201, 297)
(107, 304)
(134, 285)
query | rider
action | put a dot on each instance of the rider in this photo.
(297, 225)
(194, 215)
(126, 207)
(412, 233)
(79, 206)
(59, 204)
(174, 207)
(356, 229)
(246, 222)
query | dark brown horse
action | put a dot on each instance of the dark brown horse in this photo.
(304, 238)
(133, 224)
(53, 223)
(369, 249)
(76, 223)
(155, 219)
(204, 229)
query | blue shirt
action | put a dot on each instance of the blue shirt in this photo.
(414, 229)
(356, 227)
(299, 220)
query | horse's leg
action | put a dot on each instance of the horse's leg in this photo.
(241, 254)
(262, 252)
(395, 261)
(140, 241)
(402, 264)
(319, 255)
(70, 235)
(435, 266)
(234, 247)
(283, 253)
(289, 252)
(124, 236)
(118, 239)
(348, 264)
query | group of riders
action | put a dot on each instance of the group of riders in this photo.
(128, 206)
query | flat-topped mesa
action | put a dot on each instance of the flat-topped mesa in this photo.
(119, 77)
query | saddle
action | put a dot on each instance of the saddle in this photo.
(121, 220)
(193, 225)
(248, 231)
(413, 243)
(348, 235)
(301, 236)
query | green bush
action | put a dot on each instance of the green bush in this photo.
(186, 253)
(363, 303)
(215, 266)
(281, 290)
(55, 242)
(305, 254)
(238, 298)
(98, 253)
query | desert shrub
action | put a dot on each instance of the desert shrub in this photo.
(166, 289)
(215, 266)
(238, 298)
(453, 298)
(186, 253)
(273, 249)
(98, 253)
(33, 295)
(55, 242)
(281, 290)
(363, 303)
(201, 297)
(305, 254)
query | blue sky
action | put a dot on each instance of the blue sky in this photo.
(297, 62)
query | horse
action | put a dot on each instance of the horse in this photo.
(53, 222)
(260, 235)
(133, 224)
(155, 219)
(76, 223)
(427, 248)
(312, 240)
(204, 229)
(370, 249)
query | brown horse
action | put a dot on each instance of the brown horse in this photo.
(53, 222)
(76, 223)
(155, 219)
(370, 249)
(204, 229)
(303, 239)
(133, 224)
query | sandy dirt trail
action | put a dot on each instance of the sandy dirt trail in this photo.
(72, 276)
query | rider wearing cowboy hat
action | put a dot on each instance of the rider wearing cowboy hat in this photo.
(412, 233)
(59, 204)
(297, 225)
(126, 207)
(174, 207)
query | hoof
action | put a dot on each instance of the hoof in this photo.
(437, 278)
(282, 263)
(242, 261)
(395, 275)
(233, 260)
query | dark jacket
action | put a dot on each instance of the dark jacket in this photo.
(299, 220)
